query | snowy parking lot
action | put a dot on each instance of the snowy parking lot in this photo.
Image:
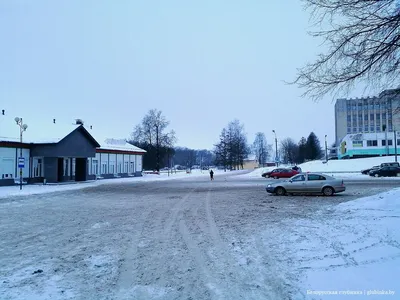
(196, 239)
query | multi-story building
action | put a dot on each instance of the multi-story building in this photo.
(367, 115)
(373, 115)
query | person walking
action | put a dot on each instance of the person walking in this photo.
(211, 175)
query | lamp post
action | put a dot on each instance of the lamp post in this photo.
(276, 148)
(21, 163)
(326, 150)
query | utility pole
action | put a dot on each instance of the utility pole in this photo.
(276, 149)
(21, 161)
(326, 150)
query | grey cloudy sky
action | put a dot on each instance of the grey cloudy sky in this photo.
(203, 63)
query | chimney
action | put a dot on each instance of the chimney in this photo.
(3, 112)
(54, 121)
(91, 127)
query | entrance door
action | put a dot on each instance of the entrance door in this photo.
(60, 169)
(80, 169)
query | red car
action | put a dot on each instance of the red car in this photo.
(280, 173)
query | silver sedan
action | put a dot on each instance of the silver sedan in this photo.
(308, 183)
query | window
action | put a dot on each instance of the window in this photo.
(111, 170)
(357, 143)
(365, 117)
(390, 127)
(103, 167)
(37, 167)
(348, 118)
(371, 117)
(7, 169)
(132, 167)
(126, 166)
(366, 128)
(354, 129)
(371, 128)
(315, 177)
(398, 142)
(299, 178)
(372, 143)
(390, 142)
(384, 116)
(95, 167)
(378, 128)
(378, 117)
(348, 130)
(383, 142)
(360, 129)
(120, 168)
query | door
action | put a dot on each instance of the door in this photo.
(315, 183)
(296, 184)
(60, 169)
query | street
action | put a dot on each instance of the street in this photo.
(175, 239)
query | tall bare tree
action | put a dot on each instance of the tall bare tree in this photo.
(261, 149)
(151, 133)
(289, 150)
(363, 39)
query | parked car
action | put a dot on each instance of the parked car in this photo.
(385, 172)
(391, 164)
(317, 183)
(280, 173)
(366, 171)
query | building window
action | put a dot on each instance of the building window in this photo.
(360, 129)
(398, 142)
(384, 116)
(372, 143)
(365, 117)
(132, 167)
(111, 170)
(95, 167)
(7, 170)
(390, 127)
(357, 144)
(371, 117)
(120, 168)
(348, 129)
(378, 128)
(378, 117)
(126, 166)
(354, 129)
(383, 142)
(37, 167)
(103, 167)
(371, 128)
(366, 128)
(390, 142)
(348, 118)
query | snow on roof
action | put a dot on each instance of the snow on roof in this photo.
(48, 132)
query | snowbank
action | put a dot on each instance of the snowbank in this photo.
(334, 166)
(357, 252)
(8, 191)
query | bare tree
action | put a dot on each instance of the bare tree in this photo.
(261, 149)
(289, 150)
(151, 132)
(363, 39)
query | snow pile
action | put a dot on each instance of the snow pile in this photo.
(356, 252)
(345, 165)
(333, 166)
(8, 191)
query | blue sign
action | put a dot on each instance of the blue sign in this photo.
(21, 162)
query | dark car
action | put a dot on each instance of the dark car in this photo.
(366, 171)
(385, 172)
(280, 173)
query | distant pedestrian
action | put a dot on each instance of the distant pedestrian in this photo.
(211, 175)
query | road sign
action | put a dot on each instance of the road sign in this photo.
(21, 162)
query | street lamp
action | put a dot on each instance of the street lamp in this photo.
(326, 150)
(276, 149)
(21, 163)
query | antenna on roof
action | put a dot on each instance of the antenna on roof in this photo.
(3, 112)
(91, 127)
(54, 121)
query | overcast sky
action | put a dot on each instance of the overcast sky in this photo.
(203, 63)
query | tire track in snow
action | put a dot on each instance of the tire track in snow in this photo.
(126, 275)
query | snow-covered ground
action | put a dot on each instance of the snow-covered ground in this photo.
(345, 168)
(8, 191)
(197, 239)
(356, 250)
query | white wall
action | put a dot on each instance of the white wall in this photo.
(9, 163)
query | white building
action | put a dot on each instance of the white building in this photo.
(75, 153)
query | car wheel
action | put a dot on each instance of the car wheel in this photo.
(376, 175)
(280, 191)
(276, 177)
(328, 191)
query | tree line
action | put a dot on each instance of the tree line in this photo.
(230, 152)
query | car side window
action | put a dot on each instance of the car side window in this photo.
(299, 178)
(315, 177)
